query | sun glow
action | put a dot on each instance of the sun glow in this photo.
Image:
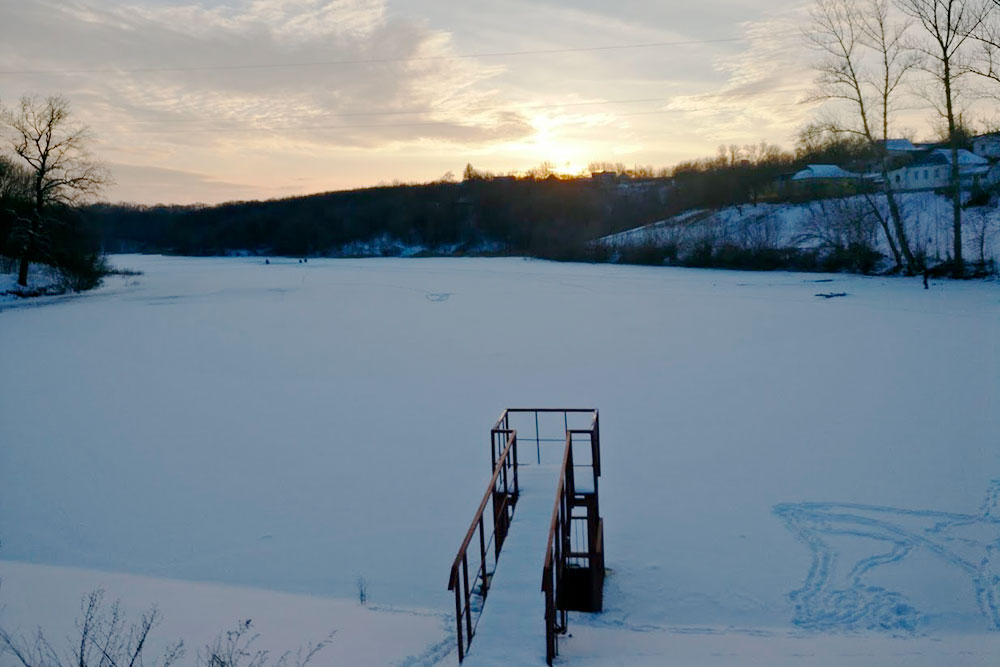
(570, 168)
(550, 149)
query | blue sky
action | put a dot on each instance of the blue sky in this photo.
(207, 101)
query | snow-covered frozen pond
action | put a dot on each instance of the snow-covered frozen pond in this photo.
(772, 460)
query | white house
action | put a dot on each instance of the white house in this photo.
(932, 170)
(927, 172)
(987, 146)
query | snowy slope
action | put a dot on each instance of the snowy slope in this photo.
(292, 426)
(928, 219)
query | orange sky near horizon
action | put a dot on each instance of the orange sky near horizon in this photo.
(200, 101)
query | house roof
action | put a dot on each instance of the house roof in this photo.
(965, 158)
(968, 163)
(899, 145)
(822, 171)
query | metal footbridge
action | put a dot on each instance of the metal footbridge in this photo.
(543, 513)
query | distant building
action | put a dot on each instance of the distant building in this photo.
(931, 170)
(821, 180)
(926, 172)
(899, 147)
(987, 146)
(824, 172)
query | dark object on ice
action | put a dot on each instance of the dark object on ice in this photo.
(831, 295)
(267, 261)
(305, 260)
(941, 270)
(822, 280)
(927, 274)
(300, 261)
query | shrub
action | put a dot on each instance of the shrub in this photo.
(649, 254)
(855, 257)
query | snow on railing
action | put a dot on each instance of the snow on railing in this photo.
(503, 490)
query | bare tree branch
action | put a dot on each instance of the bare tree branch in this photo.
(864, 63)
(106, 639)
(985, 62)
(947, 27)
(55, 150)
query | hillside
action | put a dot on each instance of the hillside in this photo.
(814, 230)
(642, 221)
(549, 217)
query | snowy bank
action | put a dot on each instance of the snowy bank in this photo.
(822, 223)
(35, 596)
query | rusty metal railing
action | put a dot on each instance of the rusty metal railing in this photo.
(503, 492)
(509, 415)
(585, 553)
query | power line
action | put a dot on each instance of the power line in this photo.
(369, 61)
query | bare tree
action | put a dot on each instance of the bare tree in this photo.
(14, 181)
(55, 150)
(835, 224)
(14, 186)
(106, 639)
(986, 61)
(947, 27)
(982, 228)
(864, 63)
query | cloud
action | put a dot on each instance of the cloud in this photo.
(765, 88)
(324, 94)
(283, 65)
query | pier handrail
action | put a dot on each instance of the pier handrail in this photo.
(559, 546)
(503, 490)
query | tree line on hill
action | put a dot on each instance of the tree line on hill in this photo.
(549, 217)
(539, 214)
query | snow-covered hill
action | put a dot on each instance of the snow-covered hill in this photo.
(823, 223)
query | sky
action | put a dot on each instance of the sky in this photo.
(207, 101)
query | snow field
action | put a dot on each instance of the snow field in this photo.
(291, 427)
